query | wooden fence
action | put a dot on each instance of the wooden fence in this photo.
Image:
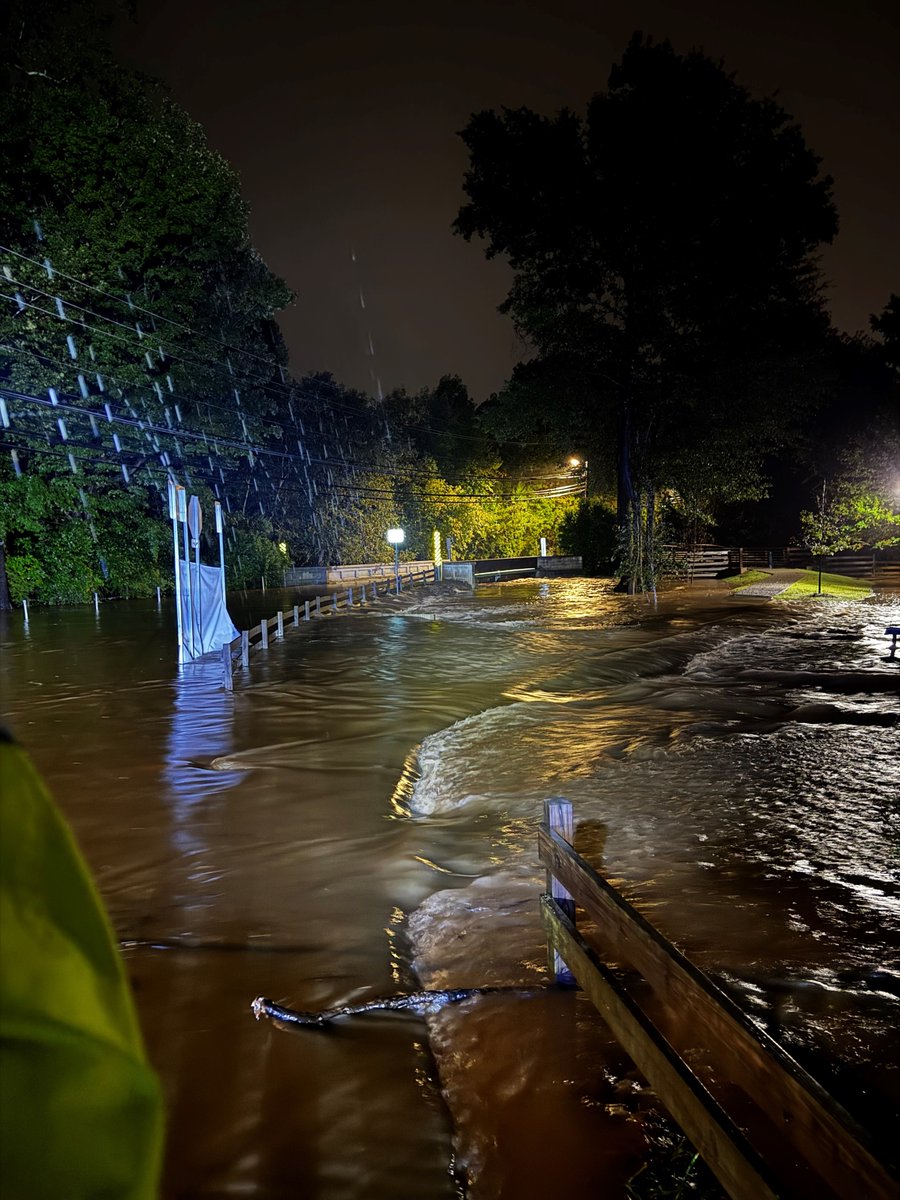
(762, 1124)
(321, 606)
(706, 561)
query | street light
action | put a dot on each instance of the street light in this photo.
(396, 537)
(575, 463)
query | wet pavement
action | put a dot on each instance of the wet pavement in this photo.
(781, 579)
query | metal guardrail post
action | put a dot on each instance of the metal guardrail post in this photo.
(280, 627)
(296, 614)
(226, 663)
(264, 634)
(245, 648)
(558, 816)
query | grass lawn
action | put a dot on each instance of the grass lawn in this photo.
(834, 587)
(748, 577)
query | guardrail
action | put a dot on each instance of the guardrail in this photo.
(323, 576)
(793, 1139)
(321, 606)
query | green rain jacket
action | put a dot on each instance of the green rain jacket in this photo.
(80, 1109)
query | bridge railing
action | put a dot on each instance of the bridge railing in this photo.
(793, 1139)
(350, 573)
(238, 650)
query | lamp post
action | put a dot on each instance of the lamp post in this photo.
(396, 537)
(575, 463)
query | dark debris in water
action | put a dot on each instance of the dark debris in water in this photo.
(673, 1169)
(847, 682)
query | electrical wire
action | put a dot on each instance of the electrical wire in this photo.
(281, 388)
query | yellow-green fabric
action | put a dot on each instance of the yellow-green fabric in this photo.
(80, 1109)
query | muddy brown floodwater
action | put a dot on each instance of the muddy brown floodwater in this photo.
(359, 818)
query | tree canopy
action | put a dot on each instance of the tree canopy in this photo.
(663, 249)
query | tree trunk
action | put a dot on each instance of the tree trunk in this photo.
(652, 565)
(627, 505)
(5, 598)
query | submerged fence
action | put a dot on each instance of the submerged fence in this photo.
(238, 651)
(762, 1124)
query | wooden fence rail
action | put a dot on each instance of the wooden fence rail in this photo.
(794, 1139)
(239, 649)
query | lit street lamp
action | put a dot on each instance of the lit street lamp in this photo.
(575, 463)
(396, 537)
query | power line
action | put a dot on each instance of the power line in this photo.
(281, 388)
(246, 445)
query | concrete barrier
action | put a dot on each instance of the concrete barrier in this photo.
(459, 572)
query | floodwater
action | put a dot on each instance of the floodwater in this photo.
(359, 818)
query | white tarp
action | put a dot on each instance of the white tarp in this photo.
(205, 622)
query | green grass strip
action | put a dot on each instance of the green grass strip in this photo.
(834, 587)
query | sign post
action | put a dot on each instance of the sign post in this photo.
(220, 528)
(173, 517)
(396, 538)
(173, 513)
(195, 524)
(181, 497)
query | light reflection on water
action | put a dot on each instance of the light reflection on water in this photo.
(371, 762)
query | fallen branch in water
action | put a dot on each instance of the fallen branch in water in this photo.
(420, 1003)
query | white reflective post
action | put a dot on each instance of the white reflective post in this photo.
(173, 514)
(220, 529)
(181, 499)
(195, 524)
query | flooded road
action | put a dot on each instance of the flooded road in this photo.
(360, 816)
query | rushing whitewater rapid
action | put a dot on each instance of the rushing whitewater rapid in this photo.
(735, 771)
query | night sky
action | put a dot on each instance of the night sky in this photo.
(341, 119)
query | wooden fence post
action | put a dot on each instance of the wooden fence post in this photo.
(245, 648)
(296, 614)
(226, 663)
(280, 626)
(559, 818)
(318, 606)
(264, 634)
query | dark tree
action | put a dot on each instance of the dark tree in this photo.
(887, 326)
(665, 244)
